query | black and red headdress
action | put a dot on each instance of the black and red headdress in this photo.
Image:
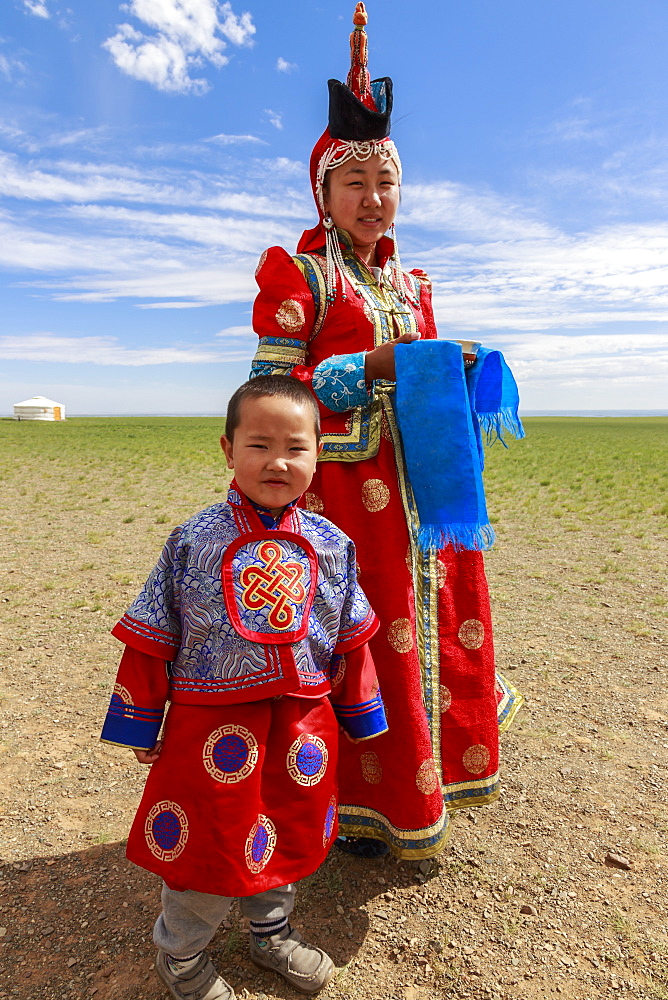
(359, 127)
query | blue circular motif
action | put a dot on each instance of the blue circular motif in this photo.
(309, 759)
(260, 841)
(329, 821)
(166, 830)
(230, 753)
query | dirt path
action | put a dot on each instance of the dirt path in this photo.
(522, 903)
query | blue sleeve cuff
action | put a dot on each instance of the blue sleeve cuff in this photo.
(339, 382)
(131, 726)
(362, 721)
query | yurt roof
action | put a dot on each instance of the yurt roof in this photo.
(38, 401)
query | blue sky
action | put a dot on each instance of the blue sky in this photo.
(150, 150)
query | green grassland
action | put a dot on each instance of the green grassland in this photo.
(580, 470)
(584, 471)
(579, 502)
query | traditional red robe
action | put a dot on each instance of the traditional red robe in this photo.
(433, 652)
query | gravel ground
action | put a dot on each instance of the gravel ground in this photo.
(557, 889)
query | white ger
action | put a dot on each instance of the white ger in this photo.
(39, 408)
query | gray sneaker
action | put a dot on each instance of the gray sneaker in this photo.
(305, 967)
(202, 982)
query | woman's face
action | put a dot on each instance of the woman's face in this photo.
(362, 197)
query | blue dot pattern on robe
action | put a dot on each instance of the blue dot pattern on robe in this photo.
(230, 754)
(166, 830)
(260, 841)
(309, 759)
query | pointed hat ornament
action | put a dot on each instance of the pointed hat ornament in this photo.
(360, 108)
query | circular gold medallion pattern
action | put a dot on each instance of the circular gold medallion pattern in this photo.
(426, 778)
(471, 633)
(260, 263)
(290, 316)
(371, 768)
(476, 758)
(314, 503)
(446, 698)
(375, 495)
(399, 635)
(441, 573)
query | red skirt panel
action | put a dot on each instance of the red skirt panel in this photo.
(242, 798)
(395, 787)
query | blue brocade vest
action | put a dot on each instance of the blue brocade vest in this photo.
(242, 612)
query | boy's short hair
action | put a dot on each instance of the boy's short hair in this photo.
(270, 385)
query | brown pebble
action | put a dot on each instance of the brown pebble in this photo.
(529, 910)
(617, 861)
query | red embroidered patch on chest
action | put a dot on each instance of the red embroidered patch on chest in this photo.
(268, 585)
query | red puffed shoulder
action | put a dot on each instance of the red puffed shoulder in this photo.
(424, 281)
(284, 305)
(421, 276)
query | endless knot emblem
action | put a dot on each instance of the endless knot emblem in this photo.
(274, 584)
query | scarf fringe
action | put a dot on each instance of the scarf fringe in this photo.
(477, 537)
(494, 424)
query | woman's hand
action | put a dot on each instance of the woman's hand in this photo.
(379, 363)
(148, 756)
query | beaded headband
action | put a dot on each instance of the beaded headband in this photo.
(338, 154)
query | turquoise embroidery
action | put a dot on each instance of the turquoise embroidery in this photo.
(339, 382)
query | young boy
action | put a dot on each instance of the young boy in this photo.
(254, 627)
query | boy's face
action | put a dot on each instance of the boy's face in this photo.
(274, 450)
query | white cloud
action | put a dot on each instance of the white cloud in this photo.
(283, 66)
(613, 274)
(499, 266)
(171, 282)
(186, 35)
(631, 369)
(70, 182)
(234, 140)
(37, 7)
(275, 118)
(456, 208)
(289, 168)
(9, 68)
(238, 332)
(243, 235)
(74, 182)
(50, 348)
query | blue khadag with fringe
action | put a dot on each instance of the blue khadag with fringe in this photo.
(442, 413)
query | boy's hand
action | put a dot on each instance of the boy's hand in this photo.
(379, 363)
(148, 756)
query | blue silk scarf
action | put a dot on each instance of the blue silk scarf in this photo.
(442, 412)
